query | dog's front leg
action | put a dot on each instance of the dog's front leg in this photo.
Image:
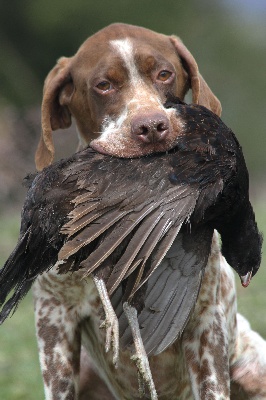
(206, 354)
(205, 339)
(58, 338)
(61, 301)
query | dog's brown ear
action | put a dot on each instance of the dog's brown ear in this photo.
(201, 93)
(57, 92)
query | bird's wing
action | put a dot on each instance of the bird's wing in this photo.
(124, 202)
(142, 256)
(170, 293)
(89, 205)
(143, 230)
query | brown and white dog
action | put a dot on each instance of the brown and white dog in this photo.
(115, 87)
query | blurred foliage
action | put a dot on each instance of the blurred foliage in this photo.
(229, 47)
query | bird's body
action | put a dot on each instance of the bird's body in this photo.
(141, 226)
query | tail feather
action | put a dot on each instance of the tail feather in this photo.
(13, 276)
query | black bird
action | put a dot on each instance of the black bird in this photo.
(117, 219)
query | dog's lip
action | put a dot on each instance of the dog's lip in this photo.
(143, 151)
(97, 147)
(121, 153)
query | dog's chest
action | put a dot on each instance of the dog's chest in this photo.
(61, 300)
(168, 369)
(80, 301)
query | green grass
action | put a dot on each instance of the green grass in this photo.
(20, 377)
(252, 300)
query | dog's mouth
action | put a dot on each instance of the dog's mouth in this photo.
(131, 149)
(97, 147)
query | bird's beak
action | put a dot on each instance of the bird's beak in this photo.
(245, 280)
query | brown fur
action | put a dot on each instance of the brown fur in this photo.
(69, 89)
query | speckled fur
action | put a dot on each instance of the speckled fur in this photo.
(216, 347)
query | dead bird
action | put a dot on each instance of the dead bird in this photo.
(142, 228)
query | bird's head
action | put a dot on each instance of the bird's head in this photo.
(242, 248)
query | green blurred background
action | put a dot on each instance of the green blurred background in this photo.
(228, 40)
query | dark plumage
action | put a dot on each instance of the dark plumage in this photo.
(117, 219)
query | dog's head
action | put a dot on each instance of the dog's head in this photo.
(115, 87)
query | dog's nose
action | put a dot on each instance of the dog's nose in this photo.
(150, 127)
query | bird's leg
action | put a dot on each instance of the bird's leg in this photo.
(111, 322)
(140, 357)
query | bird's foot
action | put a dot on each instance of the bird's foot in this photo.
(111, 322)
(141, 358)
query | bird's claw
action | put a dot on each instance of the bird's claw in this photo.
(111, 322)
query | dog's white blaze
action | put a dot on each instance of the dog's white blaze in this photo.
(125, 49)
(141, 97)
(110, 126)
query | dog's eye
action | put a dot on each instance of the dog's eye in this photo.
(104, 86)
(164, 75)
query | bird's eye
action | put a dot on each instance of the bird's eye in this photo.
(104, 86)
(164, 75)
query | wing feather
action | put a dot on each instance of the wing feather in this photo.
(116, 236)
(171, 293)
(136, 243)
(183, 210)
(90, 233)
